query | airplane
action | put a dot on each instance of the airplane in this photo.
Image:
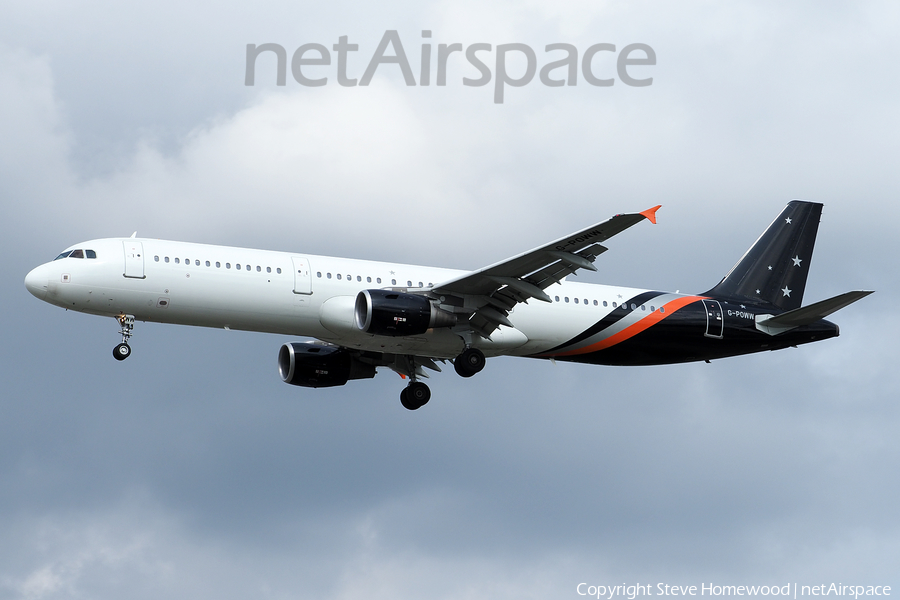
(365, 314)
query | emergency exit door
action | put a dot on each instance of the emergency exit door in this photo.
(302, 275)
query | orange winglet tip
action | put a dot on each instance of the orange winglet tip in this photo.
(402, 376)
(650, 213)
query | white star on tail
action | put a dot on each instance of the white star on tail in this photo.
(787, 220)
(786, 291)
(797, 260)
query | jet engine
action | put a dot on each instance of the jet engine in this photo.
(383, 312)
(311, 364)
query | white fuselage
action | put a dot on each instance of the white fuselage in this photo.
(291, 294)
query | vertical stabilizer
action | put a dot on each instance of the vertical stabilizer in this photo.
(774, 269)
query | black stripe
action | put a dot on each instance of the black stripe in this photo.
(614, 317)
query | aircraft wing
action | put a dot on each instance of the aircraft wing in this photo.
(488, 294)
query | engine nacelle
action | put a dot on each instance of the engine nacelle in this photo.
(317, 365)
(383, 312)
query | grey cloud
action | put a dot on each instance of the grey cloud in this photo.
(192, 471)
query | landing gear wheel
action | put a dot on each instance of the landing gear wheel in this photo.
(404, 400)
(418, 393)
(415, 396)
(469, 362)
(122, 351)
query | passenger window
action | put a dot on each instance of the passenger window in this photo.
(633, 306)
(338, 275)
(328, 275)
(76, 254)
(378, 280)
(227, 265)
(237, 266)
(218, 265)
(643, 307)
(177, 261)
(567, 298)
(90, 254)
(652, 308)
(156, 258)
(409, 284)
(268, 269)
(420, 284)
(207, 263)
(368, 280)
(319, 274)
(595, 303)
(197, 263)
(278, 270)
(614, 305)
(557, 298)
(258, 268)
(662, 309)
(604, 303)
(167, 259)
(358, 278)
(349, 278)
(393, 282)
(576, 300)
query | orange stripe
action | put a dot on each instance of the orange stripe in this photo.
(635, 328)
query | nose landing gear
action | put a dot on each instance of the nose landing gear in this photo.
(123, 350)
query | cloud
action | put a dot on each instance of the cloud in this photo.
(191, 471)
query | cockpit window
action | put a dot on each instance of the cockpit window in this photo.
(77, 254)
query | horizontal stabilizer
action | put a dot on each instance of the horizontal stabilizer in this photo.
(808, 314)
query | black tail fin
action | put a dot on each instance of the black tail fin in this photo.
(774, 269)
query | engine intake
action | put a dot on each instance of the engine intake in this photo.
(310, 364)
(383, 312)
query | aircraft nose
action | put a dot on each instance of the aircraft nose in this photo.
(36, 283)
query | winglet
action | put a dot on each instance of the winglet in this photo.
(650, 213)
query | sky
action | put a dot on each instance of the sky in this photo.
(191, 471)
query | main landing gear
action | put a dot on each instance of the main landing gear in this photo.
(415, 395)
(469, 362)
(123, 350)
